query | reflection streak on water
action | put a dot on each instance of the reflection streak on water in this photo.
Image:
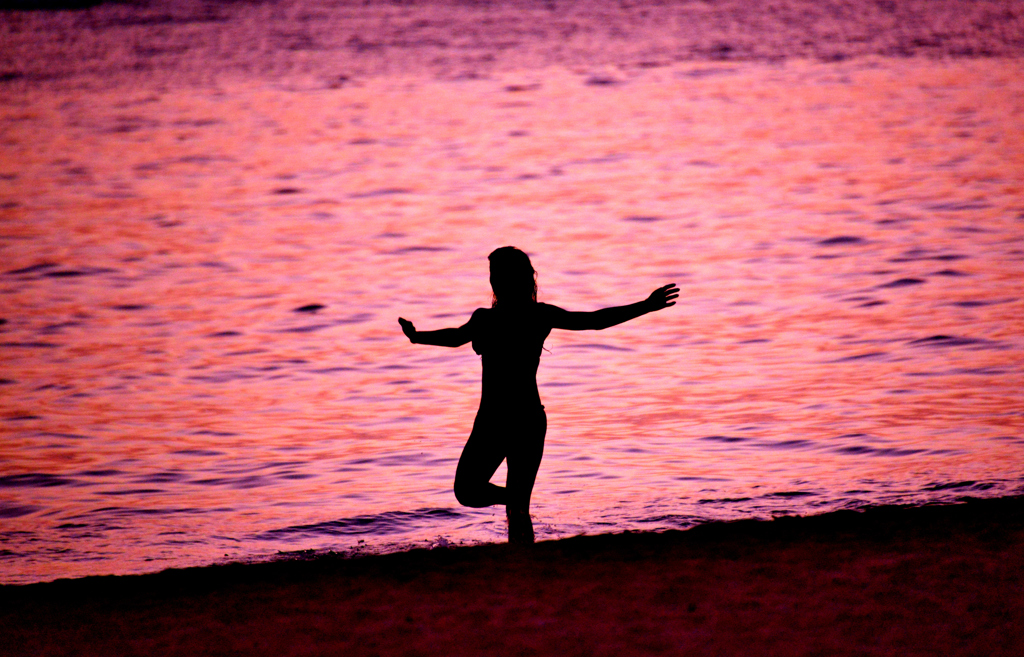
(847, 238)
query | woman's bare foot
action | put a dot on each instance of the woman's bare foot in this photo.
(520, 526)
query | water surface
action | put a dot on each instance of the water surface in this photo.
(199, 353)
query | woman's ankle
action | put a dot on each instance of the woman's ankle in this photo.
(520, 526)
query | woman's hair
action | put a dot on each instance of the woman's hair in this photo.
(513, 278)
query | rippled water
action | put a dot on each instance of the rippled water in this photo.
(200, 353)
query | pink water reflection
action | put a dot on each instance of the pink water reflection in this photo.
(849, 331)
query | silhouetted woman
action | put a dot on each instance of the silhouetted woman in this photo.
(511, 423)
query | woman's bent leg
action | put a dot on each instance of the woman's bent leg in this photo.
(480, 459)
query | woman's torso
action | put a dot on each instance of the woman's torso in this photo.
(510, 342)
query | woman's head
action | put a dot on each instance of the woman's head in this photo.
(513, 279)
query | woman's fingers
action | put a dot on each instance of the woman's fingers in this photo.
(665, 294)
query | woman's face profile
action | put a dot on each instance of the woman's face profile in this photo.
(511, 284)
(512, 276)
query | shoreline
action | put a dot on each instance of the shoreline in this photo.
(934, 579)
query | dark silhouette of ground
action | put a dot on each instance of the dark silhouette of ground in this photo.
(933, 580)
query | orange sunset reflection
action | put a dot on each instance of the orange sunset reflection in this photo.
(847, 237)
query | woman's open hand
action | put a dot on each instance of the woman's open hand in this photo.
(663, 297)
(407, 328)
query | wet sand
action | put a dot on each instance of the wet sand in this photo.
(908, 581)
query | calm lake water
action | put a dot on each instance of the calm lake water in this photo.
(847, 237)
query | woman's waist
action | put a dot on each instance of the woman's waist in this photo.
(509, 415)
(504, 397)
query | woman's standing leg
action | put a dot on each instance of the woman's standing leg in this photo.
(526, 448)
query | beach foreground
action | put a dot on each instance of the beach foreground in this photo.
(890, 580)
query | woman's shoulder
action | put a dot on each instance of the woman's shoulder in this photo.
(538, 310)
(548, 310)
(479, 316)
(478, 328)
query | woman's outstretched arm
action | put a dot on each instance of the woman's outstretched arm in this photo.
(449, 337)
(602, 319)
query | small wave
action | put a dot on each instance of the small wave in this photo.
(32, 269)
(393, 460)
(131, 511)
(417, 249)
(947, 341)
(161, 478)
(956, 485)
(34, 480)
(876, 451)
(244, 482)
(857, 449)
(725, 439)
(979, 371)
(793, 444)
(16, 510)
(357, 318)
(902, 282)
(386, 191)
(130, 491)
(519, 88)
(840, 240)
(916, 256)
(959, 206)
(200, 452)
(976, 303)
(305, 329)
(723, 500)
(390, 522)
(871, 355)
(74, 273)
(676, 520)
(705, 72)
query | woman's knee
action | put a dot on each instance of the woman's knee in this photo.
(476, 492)
(468, 493)
(463, 493)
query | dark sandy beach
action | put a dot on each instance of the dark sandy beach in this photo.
(934, 580)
